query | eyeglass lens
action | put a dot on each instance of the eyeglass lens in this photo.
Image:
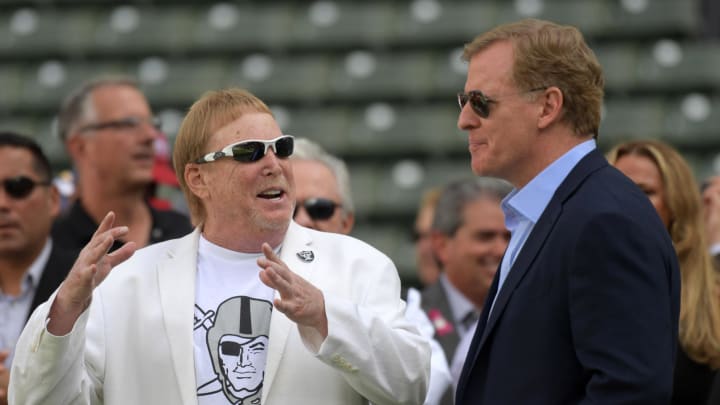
(20, 187)
(478, 102)
(317, 208)
(254, 150)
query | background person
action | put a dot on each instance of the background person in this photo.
(335, 335)
(468, 237)
(664, 176)
(584, 307)
(427, 267)
(324, 202)
(109, 132)
(31, 264)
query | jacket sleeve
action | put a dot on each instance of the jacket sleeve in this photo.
(372, 345)
(56, 370)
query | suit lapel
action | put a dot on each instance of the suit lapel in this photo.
(176, 281)
(587, 165)
(296, 244)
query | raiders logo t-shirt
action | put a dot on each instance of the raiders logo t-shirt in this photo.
(231, 326)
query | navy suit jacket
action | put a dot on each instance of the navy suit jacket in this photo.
(588, 313)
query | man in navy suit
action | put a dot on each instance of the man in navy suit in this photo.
(31, 266)
(584, 307)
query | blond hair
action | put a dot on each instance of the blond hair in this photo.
(699, 330)
(551, 55)
(211, 112)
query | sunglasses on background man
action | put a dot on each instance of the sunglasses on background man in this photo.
(20, 187)
(318, 209)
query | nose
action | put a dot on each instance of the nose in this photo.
(149, 130)
(271, 162)
(467, 119)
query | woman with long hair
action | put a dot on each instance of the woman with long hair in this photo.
(660, 171)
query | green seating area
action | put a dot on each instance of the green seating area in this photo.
(373, 81)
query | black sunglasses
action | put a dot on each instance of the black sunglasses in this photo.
(252, 150)
(318, 209)
(123, 124)
(21, 186)
(480, 103)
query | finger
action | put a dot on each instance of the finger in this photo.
(272, 278)
(95, 252)
(269, 252)
(4, 355)
(122, 254)
(105, 224)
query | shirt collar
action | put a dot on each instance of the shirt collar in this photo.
(37, 266)
(531, 200)
(459, 305)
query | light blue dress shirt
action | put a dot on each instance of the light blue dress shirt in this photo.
(523, 207)
(14, 309)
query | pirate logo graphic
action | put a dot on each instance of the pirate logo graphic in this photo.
(237, 344)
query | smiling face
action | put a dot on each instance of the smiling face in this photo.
(501, 145)
(470, 257)
(245, 198)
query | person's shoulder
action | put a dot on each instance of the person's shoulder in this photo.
(347, 246)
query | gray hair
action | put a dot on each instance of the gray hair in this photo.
(306, 149)
(78, 104)
(457, 194)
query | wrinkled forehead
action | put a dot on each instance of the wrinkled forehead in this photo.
(249, 126)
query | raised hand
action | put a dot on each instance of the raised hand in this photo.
(90, 269)
(299, 300)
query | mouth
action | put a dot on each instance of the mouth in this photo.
(271, 194)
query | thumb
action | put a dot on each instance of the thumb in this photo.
(4, 355)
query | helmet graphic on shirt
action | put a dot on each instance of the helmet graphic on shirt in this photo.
(238, 342)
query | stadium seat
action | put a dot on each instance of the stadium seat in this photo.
(45, 32)
(130, 30)
(340, 24)
(405, 75)
(47, 83)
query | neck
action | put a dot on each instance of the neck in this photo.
(12, 270)
(551, 148)
(127, 204)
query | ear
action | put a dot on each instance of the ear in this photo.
(439, 244)
(552, 104)
(195, 180)
(348, 221)
(75, 145)
(54, 201)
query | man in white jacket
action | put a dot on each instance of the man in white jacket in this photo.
(249, 296)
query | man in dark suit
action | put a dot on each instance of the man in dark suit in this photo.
(31, 265)
(584, 307)
(468, 239)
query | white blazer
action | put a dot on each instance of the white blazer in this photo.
(134, 345)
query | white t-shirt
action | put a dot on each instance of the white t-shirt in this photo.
(231, 326)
